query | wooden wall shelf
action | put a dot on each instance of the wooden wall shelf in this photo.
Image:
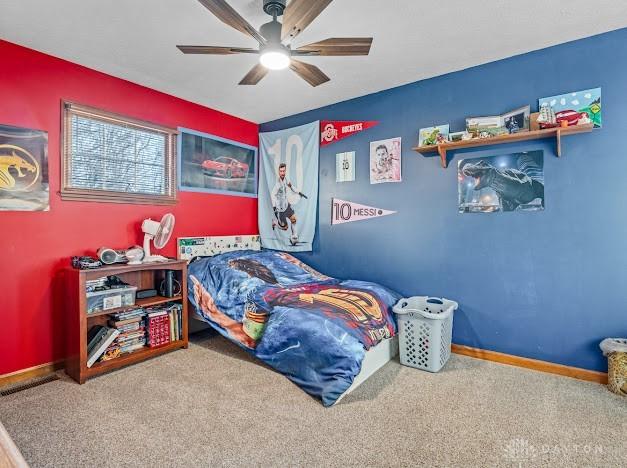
(556, 133)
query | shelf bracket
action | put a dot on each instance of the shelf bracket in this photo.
(442, 153)
(558, 148)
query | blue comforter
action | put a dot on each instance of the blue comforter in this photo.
(312, 328)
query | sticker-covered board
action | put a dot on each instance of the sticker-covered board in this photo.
(190, 247)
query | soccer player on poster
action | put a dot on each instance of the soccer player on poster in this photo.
(385, 161)
(281, 205)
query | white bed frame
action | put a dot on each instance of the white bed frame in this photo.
(375, 358)
(190, 247)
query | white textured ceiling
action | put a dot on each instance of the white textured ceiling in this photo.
(413, 40)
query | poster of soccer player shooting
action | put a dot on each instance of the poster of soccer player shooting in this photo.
(288, 187)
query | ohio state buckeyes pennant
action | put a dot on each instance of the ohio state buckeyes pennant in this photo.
(335, 130)
(343, 211)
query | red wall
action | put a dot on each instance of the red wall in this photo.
(34, 246)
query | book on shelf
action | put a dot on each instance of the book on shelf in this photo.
(120, 323)
(180, 314)
(126, 337)
(133, 347)
(158, 328)
(99, 347)
(172, 330)
(130, 325)
(164, 324)
(94, 335)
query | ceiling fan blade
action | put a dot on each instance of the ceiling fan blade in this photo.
(308, 72)
(299, 14)
(255, 75)
(215, 50)
(225, 13)
(337, 46)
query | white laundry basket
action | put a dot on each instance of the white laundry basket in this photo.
(425, 330)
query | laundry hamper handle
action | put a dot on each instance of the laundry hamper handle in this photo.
(402, 308)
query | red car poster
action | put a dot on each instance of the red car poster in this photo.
(208, 163)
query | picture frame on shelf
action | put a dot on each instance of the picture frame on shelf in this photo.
(485, 127)
(459, 136)
(576, 108)
(517, 120)
(433, 135)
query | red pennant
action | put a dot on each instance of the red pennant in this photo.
(334, 130)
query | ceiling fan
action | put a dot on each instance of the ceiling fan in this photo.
(275, 52)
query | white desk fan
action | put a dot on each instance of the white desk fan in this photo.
(159, 233)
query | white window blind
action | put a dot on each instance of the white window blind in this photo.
(108, 157)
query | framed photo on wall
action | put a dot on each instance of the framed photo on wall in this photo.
(507, 182)
(23, 169)
(385, 161)
(345, 167)
(211, 164)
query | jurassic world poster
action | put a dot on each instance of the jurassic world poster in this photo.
(509, 182)
(23, 169)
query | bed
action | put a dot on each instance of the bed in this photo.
(324, 334)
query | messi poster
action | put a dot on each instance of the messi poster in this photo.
(288, 187)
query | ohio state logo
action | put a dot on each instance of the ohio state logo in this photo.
(329, 133)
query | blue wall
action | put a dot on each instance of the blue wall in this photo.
(547, 285)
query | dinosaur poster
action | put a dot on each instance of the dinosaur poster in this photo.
(23, 169)
(509, 182)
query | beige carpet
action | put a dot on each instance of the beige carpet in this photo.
(211, 405)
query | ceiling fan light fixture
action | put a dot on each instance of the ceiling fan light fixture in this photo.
(272, 37)
(275, 58)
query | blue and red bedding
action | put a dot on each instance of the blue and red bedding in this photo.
(312, 328)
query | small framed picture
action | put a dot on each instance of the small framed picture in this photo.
(385, 161)
(433, 135)
(485, 127)
(517, 120)
(345, 167)
(457, 136)
(211, 164)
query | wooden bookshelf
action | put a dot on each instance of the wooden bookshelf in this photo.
(144, 276)
(557, 133)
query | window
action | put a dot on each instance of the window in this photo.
(110, 158)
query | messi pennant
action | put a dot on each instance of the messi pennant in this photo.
(335, 130)
(343, 211)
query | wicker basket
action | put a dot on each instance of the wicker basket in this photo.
(617, 373)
